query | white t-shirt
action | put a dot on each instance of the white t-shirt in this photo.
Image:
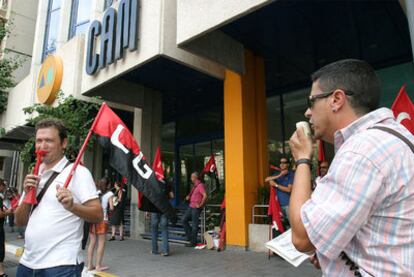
(53, 235)
(104, 202)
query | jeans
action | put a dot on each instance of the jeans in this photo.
(162, 220)
(58, 271)
(192, 214)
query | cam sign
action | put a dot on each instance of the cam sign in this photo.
(117, 31)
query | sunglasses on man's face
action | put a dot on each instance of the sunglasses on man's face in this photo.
(284, 162)
(312, 99)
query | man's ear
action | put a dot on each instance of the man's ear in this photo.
(65, 143)
(338, 100)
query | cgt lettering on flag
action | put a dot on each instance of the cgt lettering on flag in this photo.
(126, 157)
(144, 172)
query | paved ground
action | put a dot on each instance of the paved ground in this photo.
(132, 258)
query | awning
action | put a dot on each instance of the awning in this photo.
(16, 138)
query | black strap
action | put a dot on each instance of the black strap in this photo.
(46, 186)
(352, 266)
(395, 133)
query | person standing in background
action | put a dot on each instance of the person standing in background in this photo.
(197, 199)
(161, 219)
(3, 214)
(283, 182)
(118, 215)
(98, 230)
(14, 203)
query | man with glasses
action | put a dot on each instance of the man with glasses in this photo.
(323, 169)
(283, 182)
(360, 218)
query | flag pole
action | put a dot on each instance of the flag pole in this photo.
(85, 143)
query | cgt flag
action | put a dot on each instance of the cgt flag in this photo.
(403, 110)
(143, 203)
(275, 211)
(157, 166)
(127, 158)
(210, 166)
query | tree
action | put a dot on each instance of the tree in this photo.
(77, 116)
(7, 67)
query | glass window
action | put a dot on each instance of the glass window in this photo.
(52, 27)
(55, 4)
(108, 3)
(81, 13)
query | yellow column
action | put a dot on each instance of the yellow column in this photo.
(245, 135)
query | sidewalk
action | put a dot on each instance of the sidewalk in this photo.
(132, 258)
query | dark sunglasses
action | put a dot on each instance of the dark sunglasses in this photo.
(312, 99)
(284, 162)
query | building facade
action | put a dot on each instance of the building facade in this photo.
(207, 76)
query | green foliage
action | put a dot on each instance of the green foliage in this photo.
(7, 67)
(77, 116)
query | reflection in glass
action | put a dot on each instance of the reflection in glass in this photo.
(55, 4)
(52, 27)
(81, 13)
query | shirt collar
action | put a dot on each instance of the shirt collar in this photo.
(364, 122)
(58, 167)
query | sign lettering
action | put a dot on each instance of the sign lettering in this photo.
(116, 33)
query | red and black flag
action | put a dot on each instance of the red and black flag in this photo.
(127, 158)
(157, 166)
(143, 203)
(211, 168)
(403, 109)
(275, 211)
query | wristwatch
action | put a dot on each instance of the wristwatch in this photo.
(304, 161)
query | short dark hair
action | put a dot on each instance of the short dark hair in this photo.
(103, 184)
(283, 156)
(55, 123)
(196, 174)
(354, 76)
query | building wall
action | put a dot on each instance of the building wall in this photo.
(21, 17)
(196, 18)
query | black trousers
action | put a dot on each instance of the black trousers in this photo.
(2, 243)
(85, 237)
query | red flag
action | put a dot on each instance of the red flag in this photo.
(273, 167)
(321, 154)
(403, 109)
(143, 202)
(210, 166)
(127, 158)
(157, 165)
(275, 211)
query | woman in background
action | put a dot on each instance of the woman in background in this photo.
(14, 202)
(98, 231)
(117, 219)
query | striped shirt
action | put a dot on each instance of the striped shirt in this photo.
(364, 206)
